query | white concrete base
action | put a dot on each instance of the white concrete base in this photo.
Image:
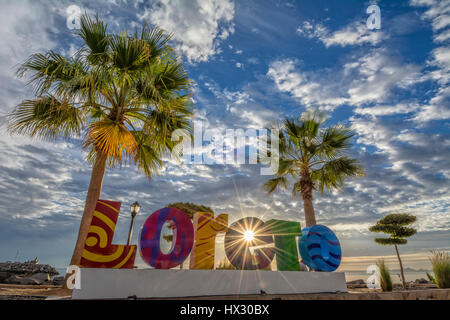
(153, 283)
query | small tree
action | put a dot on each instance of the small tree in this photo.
(189, 208)
(394, 225)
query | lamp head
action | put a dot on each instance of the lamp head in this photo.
(135, 207)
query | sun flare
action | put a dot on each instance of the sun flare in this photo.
(249, 235)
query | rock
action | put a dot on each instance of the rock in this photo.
(58, 281)
(14, 279)
(421, 281)
(359, 281)
(28, 267)
(4, 276)
(40, 277)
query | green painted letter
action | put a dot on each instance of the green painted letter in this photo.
(284, 233)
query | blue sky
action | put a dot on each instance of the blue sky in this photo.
(252, 63)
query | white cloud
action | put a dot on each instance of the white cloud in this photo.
(439, 13)
(311, 31)
(442, 57)
(372, 77)
(373, 133)
(441, 60)
(368, 79)
(418, 157)
(383, 110)
(355, 33)
(428, 211)
(376, 74)
(438, 106)
(244, 108)
(443, 36)
(302, 86)
(432, 112)
(198, 26)
(18, 40)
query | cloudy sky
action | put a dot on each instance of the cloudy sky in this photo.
(252, 63)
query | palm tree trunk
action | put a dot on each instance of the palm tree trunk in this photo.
(306, 190)
(93, 194)
(401, 267)
(310, 217)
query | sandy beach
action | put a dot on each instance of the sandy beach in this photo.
(30, 292)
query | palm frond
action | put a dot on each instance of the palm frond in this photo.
(161, 83)
(156, 39)
(334, 140)
(94, 34)
(293, 131)
(47, 118)
(147, 154)
(279, 182)
(49, 70)
(160, 124)
(297, 189)
(332, 174)
(110, 138)
(287, 167)
(128, 54)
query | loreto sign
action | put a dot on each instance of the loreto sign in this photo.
(250, 243)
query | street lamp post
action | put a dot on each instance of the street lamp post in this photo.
(135, 207)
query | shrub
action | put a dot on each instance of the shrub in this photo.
(385, 276)
(441, 268)
(431, 278)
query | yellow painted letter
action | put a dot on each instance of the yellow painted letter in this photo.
(206, 228)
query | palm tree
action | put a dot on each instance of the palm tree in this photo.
(122, 94)
(314, 158)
